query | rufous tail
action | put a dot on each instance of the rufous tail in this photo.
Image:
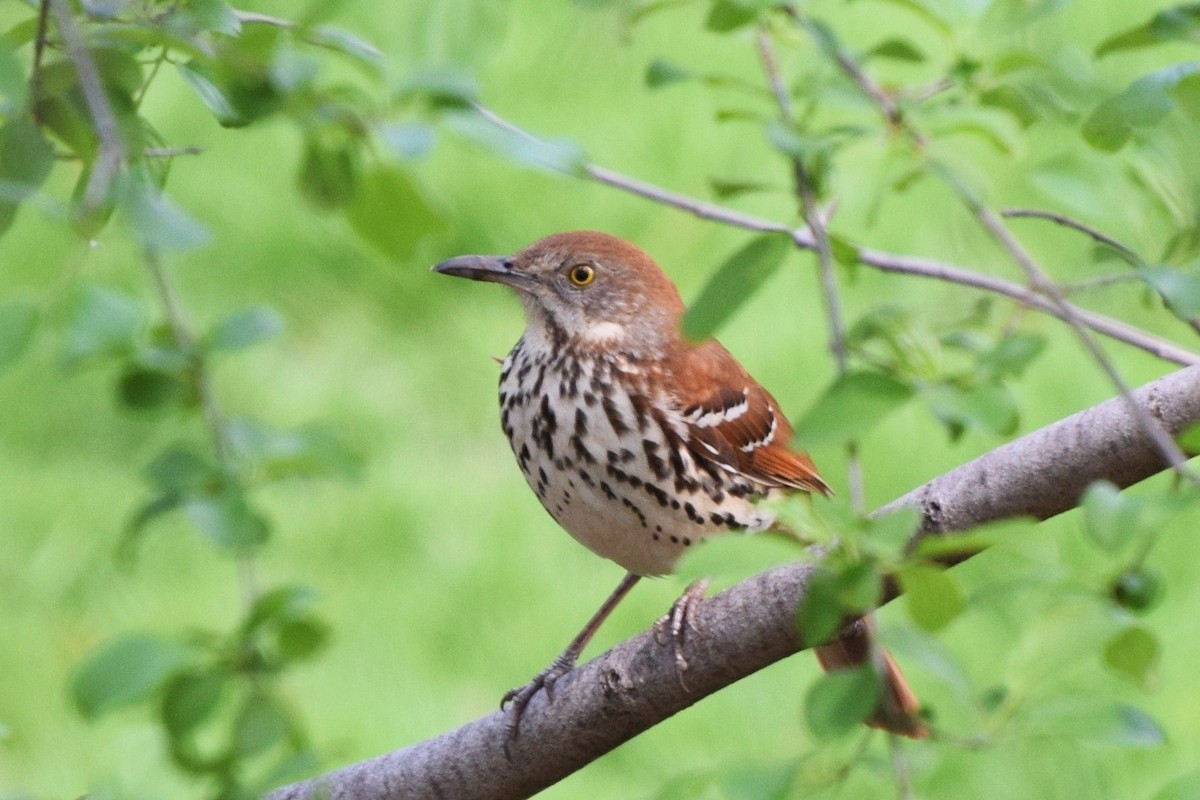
(899, 709)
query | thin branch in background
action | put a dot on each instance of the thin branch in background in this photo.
(827, 272)
(877, 259)
(111, 153)
(39, 49)
(172, 152)
(1100, 281)
(1074, 224)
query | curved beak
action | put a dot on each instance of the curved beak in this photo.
(496, 269)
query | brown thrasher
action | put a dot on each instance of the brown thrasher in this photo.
(638, 442)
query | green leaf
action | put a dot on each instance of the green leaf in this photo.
(408, 140)
(897, 50)
(933, 598)
(1134, 653)
(851, 407)
(280, 605)
(820, 615)
(126, 671)
(1178, 24)
(306, 452)
(663, 73)
(25, 161)
(155, 220)
(143, 389)
(839, 701)
(557, 155)
(104, 323)
(727, 189)
(1138, 589)
(18, 320)
(729, 15)
(245, 328)
(736, 557)
(261, 724)
(1127, 727)
(345, 43)
(1179, 288)
(191, 697)
(392, 213)
(1111, 519)
(1012, 355)
(329, 169)
(227, 520)
(1144, 104)
(203, 83)
(1189, 439)
(994, 126)
(179, 469)
(733, 283)
(302, 638)
(990, 406)
(216, 16)
(443, 88)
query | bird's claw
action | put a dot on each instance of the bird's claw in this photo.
(517, 699)
(675, 624)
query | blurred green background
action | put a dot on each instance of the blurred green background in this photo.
(442, 579)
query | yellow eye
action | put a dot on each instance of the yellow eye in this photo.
(582, 274)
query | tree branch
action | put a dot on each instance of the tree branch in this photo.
(633, 686)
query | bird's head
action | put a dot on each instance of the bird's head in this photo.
(591, 287)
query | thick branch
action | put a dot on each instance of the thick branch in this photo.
(633, 686)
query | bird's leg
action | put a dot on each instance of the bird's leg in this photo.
(517, 699)
(678, 621)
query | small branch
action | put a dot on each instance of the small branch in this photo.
(633, 686)
(1074, 224)
(878, 259)
(172, 152)
(39, 49)
(112, 150)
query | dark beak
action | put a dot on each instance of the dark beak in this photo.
(497, 269)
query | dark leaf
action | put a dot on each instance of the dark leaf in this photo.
(729, 15)
(125, 671)
(25, 160)
(261, 724)
(820, 615)
(18, 320)
(1134, 653)
(179, 469)
(1144, 104)
(1138, 589)
(227, 520)
(443, 88)
(191, 697)
(1178, 24)
(329, 169)
(897, 50)
(733, 283)
(245, 329)
(662, 73)
(280, 605)
(727, 189)
(302, 638)
(851, 407)
(143, 389)
(839, 701)
(202, 82)
(392, 213)
(104, 323)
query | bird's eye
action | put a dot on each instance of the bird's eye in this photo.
(582, 274)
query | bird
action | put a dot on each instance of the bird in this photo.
(640, 443)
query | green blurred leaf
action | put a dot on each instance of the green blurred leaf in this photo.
(1179, 288)
(155, 220)
(281, 604)
(1144, 104)
(727, 189)
(1189, 439)
(663, 73)
(245, 328)
(408, 140)
(25, 161)
(733, 283)
(302, 638)
(1134, 653)
(301, 453)
(179, 469)
(851, 407)
(736, 557)
(839, 701)
(443, 88)
(104, 323)
(1012, 355)
(1178, 24)
(125, 671)
(143, 389)
(226, 519)
(329, 169)
(1138, 589)
(1127, 727)
(392, 213)
(261, 724)
(203, 83)
(897, 50)
(347, 44)
(216, 16)
(18, 320)
(557, 155)
(996, 127)
(820, 615)
(990, 406)
(1111, 519)
(191, 698)
(932, 596)
(729, 15)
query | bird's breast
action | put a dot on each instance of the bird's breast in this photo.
(606, 453)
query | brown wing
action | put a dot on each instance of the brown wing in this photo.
(735, 423)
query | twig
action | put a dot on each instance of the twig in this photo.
(112, 150)
(1074, 224)
(878, 259)
(172, 152)
(39, 48)
(633, 686)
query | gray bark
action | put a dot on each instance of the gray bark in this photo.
(633, 686)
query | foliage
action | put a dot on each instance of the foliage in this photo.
(851, 127)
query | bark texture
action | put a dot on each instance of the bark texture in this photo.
(633, 686)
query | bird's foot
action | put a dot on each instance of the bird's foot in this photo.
(516, 700)
(676, 623)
